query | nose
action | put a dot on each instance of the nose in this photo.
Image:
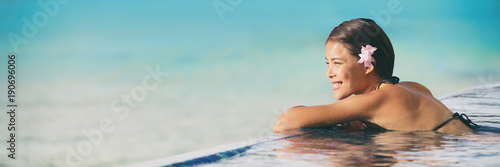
(330, 73)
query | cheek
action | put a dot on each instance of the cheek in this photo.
(354, 72)
(350, 77)
(344, 72)
(339, 70)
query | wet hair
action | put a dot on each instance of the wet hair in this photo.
(361, 32)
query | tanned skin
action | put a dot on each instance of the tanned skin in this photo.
(407, 106)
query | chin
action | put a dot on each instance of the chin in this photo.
(339, 96)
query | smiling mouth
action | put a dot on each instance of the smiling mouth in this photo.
(336, 85)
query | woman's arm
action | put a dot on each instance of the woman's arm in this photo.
(358, 107)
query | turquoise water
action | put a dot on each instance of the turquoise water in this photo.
(228, 79)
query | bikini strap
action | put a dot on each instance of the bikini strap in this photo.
(455, 116)
(393, 80)
(465, 119)
(462, 117)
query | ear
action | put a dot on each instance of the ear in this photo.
(368, 70)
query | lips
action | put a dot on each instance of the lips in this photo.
(337, 84)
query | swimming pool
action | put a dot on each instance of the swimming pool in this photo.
(329, 147)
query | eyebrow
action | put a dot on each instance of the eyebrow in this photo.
(334, 58)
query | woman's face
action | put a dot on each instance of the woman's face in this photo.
(347, 76)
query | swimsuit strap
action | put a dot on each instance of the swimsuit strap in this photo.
(462, 117)
(393, 80)
(465, 119)
(455, 116)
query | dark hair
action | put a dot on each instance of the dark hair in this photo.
(361, 32)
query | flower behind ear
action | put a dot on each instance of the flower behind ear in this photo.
(366, 55)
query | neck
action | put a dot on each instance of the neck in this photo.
(374, 83)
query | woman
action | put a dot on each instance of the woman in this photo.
(360, 62)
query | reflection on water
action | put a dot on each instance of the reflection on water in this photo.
(353, 148)
(344, 148)
(332, 147)
(357, 148)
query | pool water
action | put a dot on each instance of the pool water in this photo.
(329, 147)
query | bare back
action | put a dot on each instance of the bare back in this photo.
(411, 106)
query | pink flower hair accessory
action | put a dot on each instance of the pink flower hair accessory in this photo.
(366, 55)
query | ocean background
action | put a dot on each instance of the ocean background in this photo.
(229, 74)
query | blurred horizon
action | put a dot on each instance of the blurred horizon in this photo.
(227, 77)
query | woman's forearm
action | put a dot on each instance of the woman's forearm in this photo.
(316, 116)
(286, 121)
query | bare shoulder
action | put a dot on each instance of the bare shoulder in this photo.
(406, 96)
(415, 87)
(403, 89)
(409, 106)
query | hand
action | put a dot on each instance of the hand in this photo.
(353, 125)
